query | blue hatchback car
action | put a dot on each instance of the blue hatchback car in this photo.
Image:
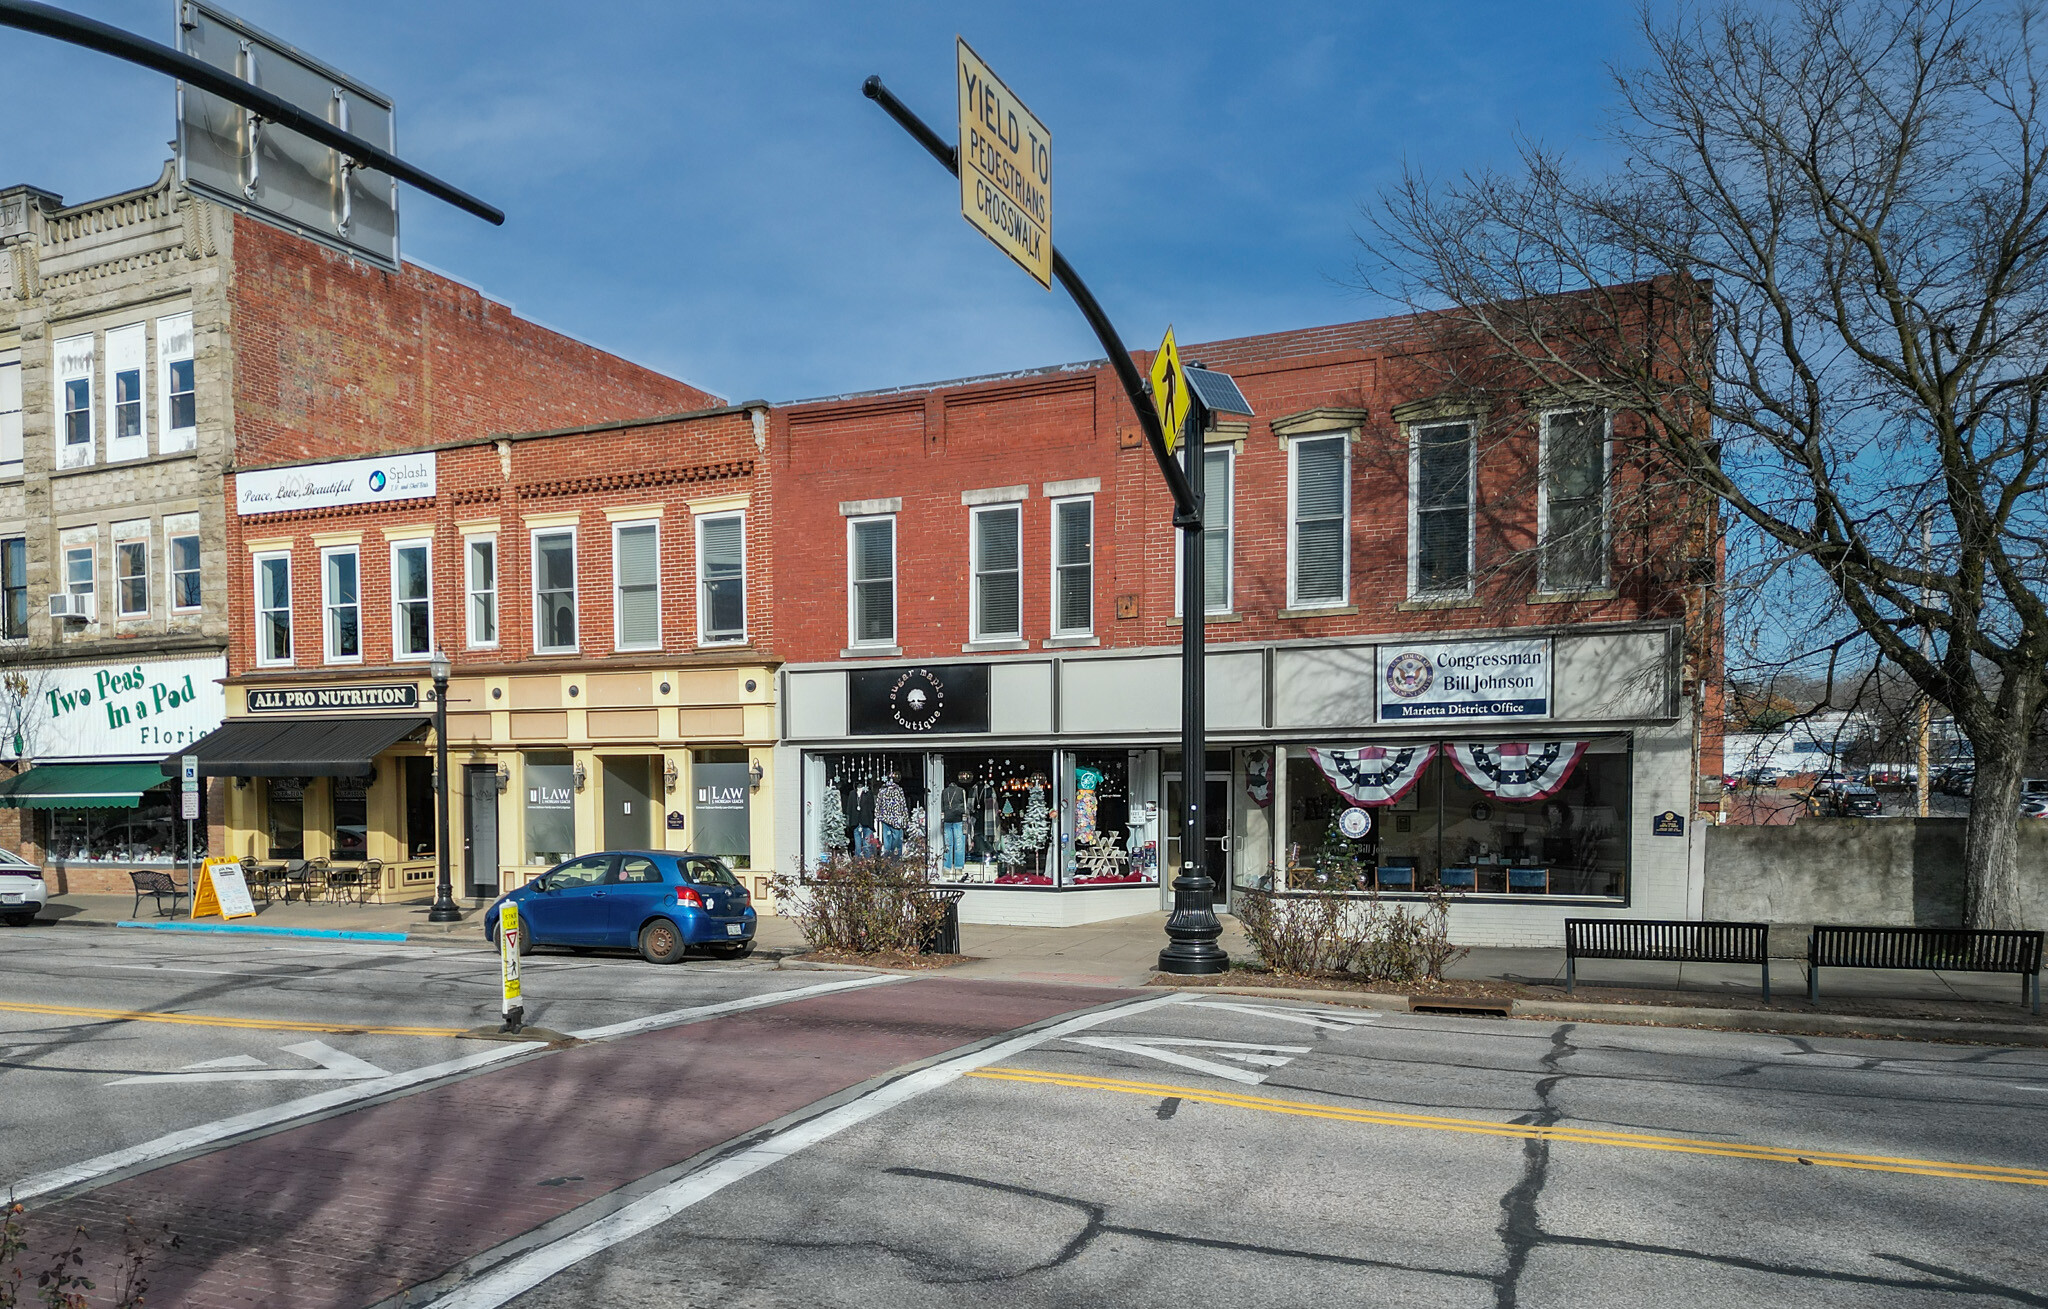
(663, 903)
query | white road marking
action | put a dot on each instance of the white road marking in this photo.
(334, 1066)
(57, 1179)
(207, 972)
(1308, 1017)
(675, 1016)
(232, 1061)
(1159, 1047)
(516, 1276)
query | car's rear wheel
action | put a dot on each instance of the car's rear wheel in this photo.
(20, 920)
(661, 942)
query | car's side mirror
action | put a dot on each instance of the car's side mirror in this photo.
(541, 883)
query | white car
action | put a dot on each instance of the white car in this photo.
(23, 892)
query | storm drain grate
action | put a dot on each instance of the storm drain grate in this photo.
(1461, 1008)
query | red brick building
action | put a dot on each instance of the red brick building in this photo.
(979, 578)
(603, 595)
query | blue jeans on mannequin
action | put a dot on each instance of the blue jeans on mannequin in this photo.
(892, 840)
(956, 845)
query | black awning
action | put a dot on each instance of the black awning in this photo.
(297, 747)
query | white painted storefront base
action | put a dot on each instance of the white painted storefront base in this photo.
(1056, 908)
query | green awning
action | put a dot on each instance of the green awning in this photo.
(81, 786)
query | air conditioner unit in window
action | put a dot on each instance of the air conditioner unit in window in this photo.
(65, 604)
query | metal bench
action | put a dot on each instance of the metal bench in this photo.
(149, 881)
(1666, 941)
(1936, 949)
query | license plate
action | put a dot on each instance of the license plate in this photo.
(15, 898)
(731, 929)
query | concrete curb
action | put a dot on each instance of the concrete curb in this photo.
(1779, 1022)
(316, 933)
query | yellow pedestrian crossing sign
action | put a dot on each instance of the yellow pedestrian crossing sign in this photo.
(1169, 390)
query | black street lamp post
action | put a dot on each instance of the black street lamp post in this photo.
(444, 910)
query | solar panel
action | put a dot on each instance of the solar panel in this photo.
(1217, 391)
(269, 172)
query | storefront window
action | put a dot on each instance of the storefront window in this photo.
(1112, 825)
(1522, 818)
(550, 807)
(285, 809)
(721, 788)
(859, 802)
(419, 806)
(150, 833)
(1009, 832)
(351, 817)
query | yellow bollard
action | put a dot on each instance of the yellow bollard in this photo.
(508, 966)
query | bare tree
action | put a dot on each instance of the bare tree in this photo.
(1828, 234)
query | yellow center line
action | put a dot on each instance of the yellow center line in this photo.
(213, 1020)
(1525, 1131)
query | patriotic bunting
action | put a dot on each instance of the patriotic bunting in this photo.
(1371, 774)
(1518, 770)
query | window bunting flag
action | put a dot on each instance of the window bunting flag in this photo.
(1518, 770)
(1372, 774)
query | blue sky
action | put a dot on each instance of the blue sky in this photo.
(702, 187)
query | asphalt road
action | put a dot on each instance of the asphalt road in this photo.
(1058, 1146)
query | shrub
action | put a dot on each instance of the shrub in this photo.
(1362, 938)
(863, 904)
(63, 1283)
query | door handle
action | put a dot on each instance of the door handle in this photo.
(597, 895)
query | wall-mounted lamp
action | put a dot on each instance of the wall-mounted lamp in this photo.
(241, 783)
(504, 779)
(670, 775)
(582, 776)
(757, 775)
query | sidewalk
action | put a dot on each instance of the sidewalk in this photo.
(1123, 952)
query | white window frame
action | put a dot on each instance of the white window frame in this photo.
(397, 625)
(853, 641)
(1053, 549)
(619, 588)
(575, 589)
(1229, 453)
(10, 413)
(1471, 425)
(975, 634)
(1294, 444)
(470, 592)
(125, 349)
(328, 606)
(704, 637)
(1543, 580)
(263, 660)
(86, 453)
(176, 530)
(125, 534)
(170, 330)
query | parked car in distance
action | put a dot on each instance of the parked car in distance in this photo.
(23, 893)
(1957, 780)
(664, 903)
(1853, 801)
(1765, 776)
(2034, 806)
(1826, 783)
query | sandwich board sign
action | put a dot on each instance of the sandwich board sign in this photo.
(221, 892)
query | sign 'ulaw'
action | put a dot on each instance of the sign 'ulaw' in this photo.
(1005, 157)
(323, 486)
(1464, 680)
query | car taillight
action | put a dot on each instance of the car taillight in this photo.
(688, 895)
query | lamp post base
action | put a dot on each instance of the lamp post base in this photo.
(1192, 930)
(444, 911)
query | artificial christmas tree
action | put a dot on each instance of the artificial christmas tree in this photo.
(1340, 863)
(834, 822)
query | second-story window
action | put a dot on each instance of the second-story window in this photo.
(722, 578)
(480, 565)
(14, 588)
(79, 571)
(177, 403)
(1440, 509)
(636, 577)
(1217, 520)
(1574, 509)
(1073, 567)
(998, 570)
(10, 413)
(74, 380)
(131, 569)
(412, 601)
(554, 591)
(181, 546)
(273, 609)
(871, 580)
(1318, 565)
(342, 604)
(126, 354)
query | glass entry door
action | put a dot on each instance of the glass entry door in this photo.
(1215, 846)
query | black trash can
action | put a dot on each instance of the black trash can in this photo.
(942, 936)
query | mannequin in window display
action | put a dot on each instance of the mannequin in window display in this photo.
(892, 815)
(953, 810)
(863, 810)
(987, 816)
